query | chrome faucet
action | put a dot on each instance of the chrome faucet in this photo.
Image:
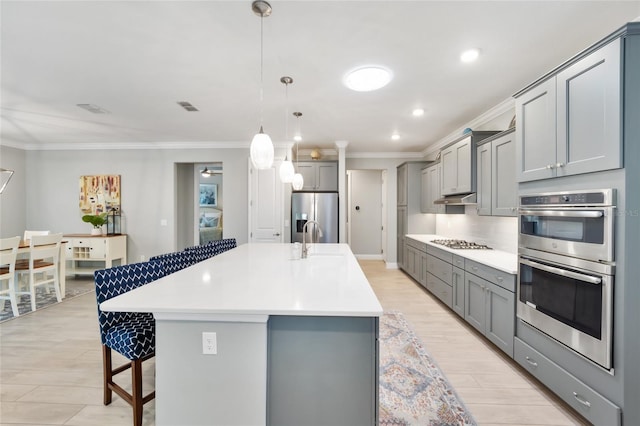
(304, 233)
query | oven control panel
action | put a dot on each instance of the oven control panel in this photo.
(590, 198)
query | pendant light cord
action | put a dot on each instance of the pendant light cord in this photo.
(261, 66)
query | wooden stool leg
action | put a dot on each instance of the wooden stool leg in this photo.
(136, 391)
(107, 371)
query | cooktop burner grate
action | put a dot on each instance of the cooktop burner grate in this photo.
(461, 244)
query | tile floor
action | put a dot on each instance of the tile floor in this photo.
(50, 364)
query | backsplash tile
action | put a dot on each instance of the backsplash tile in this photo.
(500, 233)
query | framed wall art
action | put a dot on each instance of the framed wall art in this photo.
(208, 195)
(99, 194)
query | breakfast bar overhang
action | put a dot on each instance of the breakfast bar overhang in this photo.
(296, 341)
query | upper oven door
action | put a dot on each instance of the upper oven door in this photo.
(581, 232)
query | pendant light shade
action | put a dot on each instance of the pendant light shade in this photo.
(297, 182)
(287, 171)
(261, 151)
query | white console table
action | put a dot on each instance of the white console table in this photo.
(82, 251)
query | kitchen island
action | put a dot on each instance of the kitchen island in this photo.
(295, 341)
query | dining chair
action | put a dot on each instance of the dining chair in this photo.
(8, 254)
(131, 334)
(28, 234)
(42, 266)
(224, 245)
(173, 262)
(202, 252)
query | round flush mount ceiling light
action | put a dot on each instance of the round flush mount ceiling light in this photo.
(470, 55)
(395, 137)
(418, 112)
(366, 79)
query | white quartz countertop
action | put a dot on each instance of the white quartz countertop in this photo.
(501, 260)
(260, 279)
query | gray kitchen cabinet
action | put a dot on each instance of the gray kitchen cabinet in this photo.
(570, 123)
(430, 186)
(415, 258)
(318, 175)
(456, 168)
(409, 220)
(401, 231)
(457, 285)
(458, 163)
(438, 274)
(496, 181)
(490, 306)
(585, 400)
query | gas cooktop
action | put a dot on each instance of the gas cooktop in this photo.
(461, 244)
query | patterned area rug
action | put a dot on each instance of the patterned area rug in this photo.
(413, 390)
(73, 287)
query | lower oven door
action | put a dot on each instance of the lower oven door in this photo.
(570, 302)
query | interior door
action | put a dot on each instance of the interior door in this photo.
(265, 212)
(365, 212)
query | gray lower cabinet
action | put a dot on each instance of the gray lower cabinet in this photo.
(439, 274)
(489, 306)
(343, 350)
(457, 287)
(414, 259)
(586, 401)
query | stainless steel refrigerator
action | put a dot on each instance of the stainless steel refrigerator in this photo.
(319, 206)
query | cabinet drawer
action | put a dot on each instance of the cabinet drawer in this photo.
(80, 243)
(589, 403)
(416, 244)
(458, 261)
(440, 254)
(439, 268)
(440, 289)
(504, 280)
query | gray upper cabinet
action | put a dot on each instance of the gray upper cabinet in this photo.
(570, 123)
(496, 182)
(458, 164)
(319, 176)
(430, 187)
(456, 168)
(403, 179)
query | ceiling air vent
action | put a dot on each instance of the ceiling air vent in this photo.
(187, 106)
(93, 108)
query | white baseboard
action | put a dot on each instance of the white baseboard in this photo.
(392, 265)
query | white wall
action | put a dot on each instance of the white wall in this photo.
(500, 233)
(149, 189)
(13, 200)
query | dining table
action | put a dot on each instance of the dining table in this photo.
(24, 248)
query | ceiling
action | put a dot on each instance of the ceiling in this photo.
(137, 59)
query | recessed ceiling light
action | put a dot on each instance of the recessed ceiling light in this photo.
(470, 55)
(297, 138)
(395, 137)
(418, 112)
(367, 79)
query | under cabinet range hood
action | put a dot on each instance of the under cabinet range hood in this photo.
(457, 200)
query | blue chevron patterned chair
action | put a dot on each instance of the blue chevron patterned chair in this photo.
(131, 334)
(202, 252)
(172, 262)
(220, 246)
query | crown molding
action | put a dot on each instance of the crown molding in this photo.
(383, 155)
(496, 111)
(137, 145)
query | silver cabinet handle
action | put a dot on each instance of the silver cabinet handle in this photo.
(531, 362)
(562, 272)
(563, 213)
(276, 235)
(549, 166)
(581, 400)
(474, 268)
(499, 279)
(558, 165)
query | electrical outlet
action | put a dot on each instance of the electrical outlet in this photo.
(143, 258)
(209, 343)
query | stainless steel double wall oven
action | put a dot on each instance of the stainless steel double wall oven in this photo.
(566, 269)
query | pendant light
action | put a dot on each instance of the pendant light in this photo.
(286, 168)
(298, 180)
(261, 146)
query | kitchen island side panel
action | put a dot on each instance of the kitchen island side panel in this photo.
(228, 388)
(322, 371)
